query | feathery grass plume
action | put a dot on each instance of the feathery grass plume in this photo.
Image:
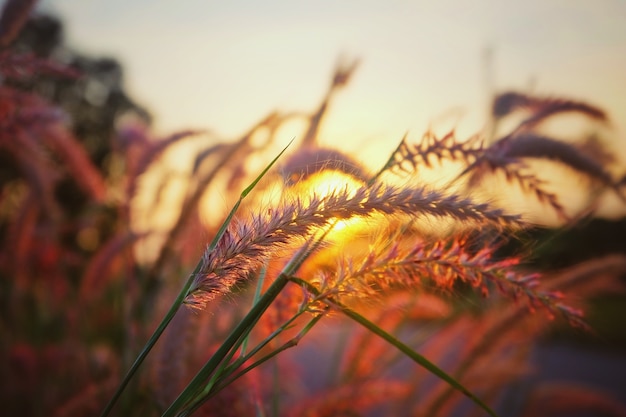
(590, 278)
(36, 167)
(246, 246)
(516, 172)
(217, 149)
(30, 128)
(247, 144)
(511, 148)
(407, 157)
(594, 148)
(507, 154)
(444, 262)
(21, 109)
(541, 107)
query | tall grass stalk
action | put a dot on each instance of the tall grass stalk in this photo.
(184, 292)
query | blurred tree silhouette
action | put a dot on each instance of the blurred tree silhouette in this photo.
(95, 103)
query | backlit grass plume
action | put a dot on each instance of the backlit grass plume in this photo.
(442, 265)
(246, 246)
(509, 155)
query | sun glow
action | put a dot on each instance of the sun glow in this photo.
(325, 183)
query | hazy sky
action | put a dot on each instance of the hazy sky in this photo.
(226, 64)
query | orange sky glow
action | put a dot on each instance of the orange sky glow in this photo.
(225, 65)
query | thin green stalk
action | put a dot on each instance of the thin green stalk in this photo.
(236, 337)
(389, 162)
(242, 328)
(234, 376)
(226, 363)
(275, 410)
(226, 367)
(408, 351)
(288, 344)
(416, 357)
(183, 292)
(257, 295)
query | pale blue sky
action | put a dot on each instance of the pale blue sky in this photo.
(224, 65)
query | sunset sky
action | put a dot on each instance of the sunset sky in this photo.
(224, 65)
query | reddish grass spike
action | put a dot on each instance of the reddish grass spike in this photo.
(446, 147)
(546, 108)
(445, 262)
(532, 184)
(530, 145)
(344, 71)
(498, 159)
(541, 107)
(77, 161)
(45, 133)
(218, 148)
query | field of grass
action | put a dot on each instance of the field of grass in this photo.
(422, 287)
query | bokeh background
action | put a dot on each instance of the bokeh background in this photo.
(223, 66)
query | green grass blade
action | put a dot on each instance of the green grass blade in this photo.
(416, 357)
(243, 195)
(248, 322)
(236, 337)
(257, 295)
(390, 161)
(184, 292)
(234, 376)
(407, 350)
(245, 192)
